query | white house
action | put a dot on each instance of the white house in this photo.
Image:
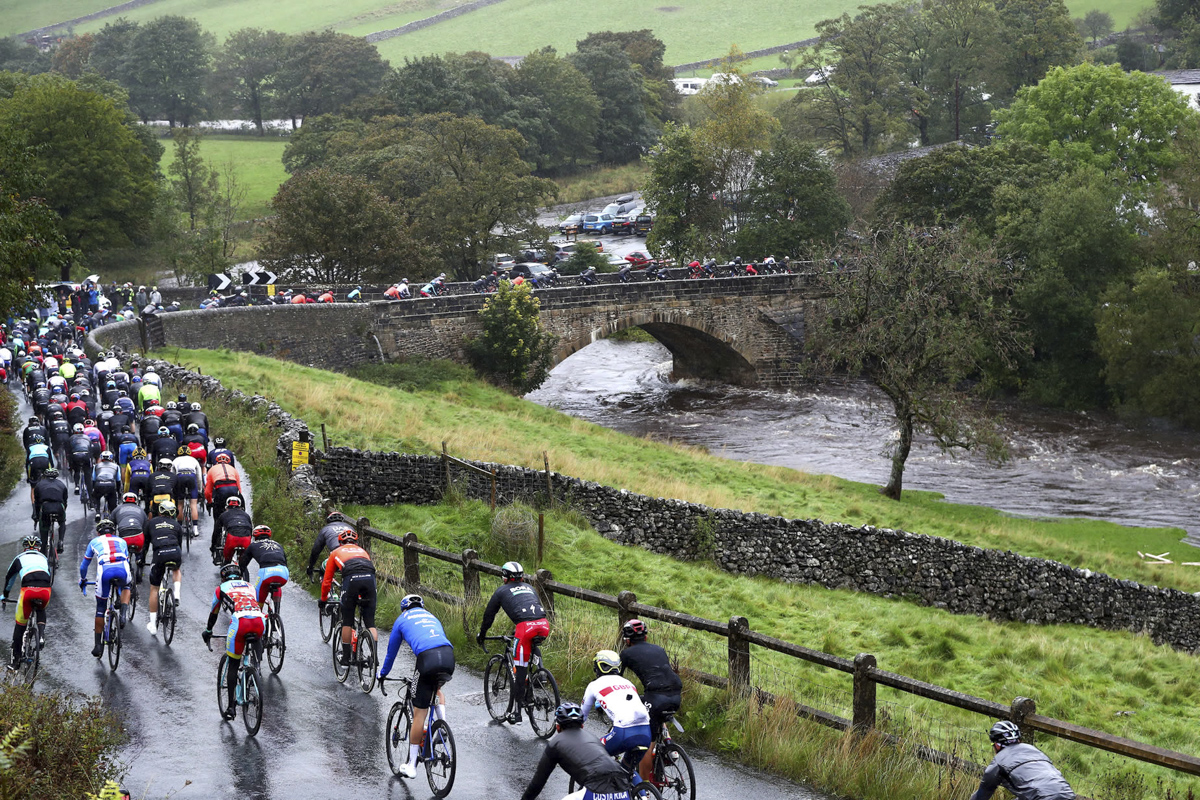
(1184, 81)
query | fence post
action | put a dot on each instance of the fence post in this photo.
(1021, 708)
(541, 536)
(542, 576)
(739, 655)
(412, 563)
(360, 526)
(324, 439)
(864, 693)
(493, 488)
(625, 601)
(446, 462)
(549, 486)
(470, 576)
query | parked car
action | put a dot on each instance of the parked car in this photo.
(764, 81)
(502, 261)
(562, 252)
(623, 205)
(530, 270)
(643, 224)
(624, 223)
(571, 224)
(598, 223)
(640, 259)
(533, 254)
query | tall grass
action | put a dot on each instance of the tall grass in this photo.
(12, 454)
(601, 181)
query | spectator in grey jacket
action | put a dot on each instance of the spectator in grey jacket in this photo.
(1021, 769)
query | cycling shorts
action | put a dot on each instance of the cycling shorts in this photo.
(620, 740)
(138, 484)
(187, 486)
(434, 668)
(660, 705)
(134, 541)
(270, 581)
(243, 625)
(232, 543)
(588, 794)
(36, 466)
(525, 633)
(118, 571)
(159, 569)
(358, 590)
(31, 595)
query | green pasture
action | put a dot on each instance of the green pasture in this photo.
(256, 162)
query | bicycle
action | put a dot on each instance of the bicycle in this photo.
(438, 753)
(274, 640)
(672, 772)
(188, 533)
(644, 790)
(246, 692)
(31, 648)
(541, 693)
(112, 623)
(48, 549)
(167, 614)
(328, 612)
(365, 660)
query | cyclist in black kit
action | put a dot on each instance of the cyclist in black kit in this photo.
(520, 601)
(327, 539)
(661, 687)
(1021, 769)
(583, 757)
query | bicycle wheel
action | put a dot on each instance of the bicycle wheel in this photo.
(367, 661)
(133, 598)
(645, 791)
(187, 534)
(339, 671)
(440, 761)
(545, 701)
(326, 621)
(222, 694)
(496, 679)
(253, 708)
(396, 736)
(673, 773)
(276, 644)
(31, 654)
(166, 613)
(113, 622)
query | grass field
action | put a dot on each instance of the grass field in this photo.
(257, 163)
(1117, 682)
(601, 182)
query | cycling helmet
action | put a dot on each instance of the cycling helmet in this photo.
(569, 715)
(182, 398)
(512, 571)
(260, 531)
(233, 502)
(30, 541)
(193, 428)
(223, 458)
(163, 433)
(1004, 733)
(606, 662)
(106, 456)
(34, 421)
(183, 451)
(170, 406)
(331, 516)
(218, 442)
(348, 536)
(231, 572)
(139, 453)
(167, 508)
(411, 601)
(165, 464)
(50, 472)
(77, 428)
(634, 629)
(58, 413)
(129, 497)
(106, 527)
(195, 406)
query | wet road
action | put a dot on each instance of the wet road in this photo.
(319, 739)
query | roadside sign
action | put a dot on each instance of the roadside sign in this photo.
(260, 277)
(219, 281)
(299, 454)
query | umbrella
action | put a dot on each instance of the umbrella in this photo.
(93, 278)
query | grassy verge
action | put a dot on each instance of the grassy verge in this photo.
(601, 182)
(483, 423)
(257, 163)
(12, 455)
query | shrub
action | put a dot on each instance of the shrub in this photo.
(514, 350)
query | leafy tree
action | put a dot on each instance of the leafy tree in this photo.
(72, 56)
(514, 350)
(193, 182)
(915, 315)
(18, 56)
(311, 146)
(1179, 22)
(322, 72)
(169, 62)
(92, 168)
(1123, 124)
(1035, 36)
(568, 110)
(647, 52)
(31, 246)
(681, 189)
(624, 130)
(1097, 23)
(334, 228)
(111, 56)
(793, 202)
(246, 69)
(963, 45)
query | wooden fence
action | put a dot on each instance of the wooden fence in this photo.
(864, 672)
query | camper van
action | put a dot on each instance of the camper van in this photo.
(686, 86)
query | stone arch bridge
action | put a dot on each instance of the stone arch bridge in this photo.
(746, 330)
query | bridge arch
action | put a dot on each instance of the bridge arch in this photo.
(697, 349)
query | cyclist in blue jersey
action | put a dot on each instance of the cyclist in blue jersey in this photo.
(30, 572)
(435, 666)
(111, 555)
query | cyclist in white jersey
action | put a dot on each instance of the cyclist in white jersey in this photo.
(618, 697)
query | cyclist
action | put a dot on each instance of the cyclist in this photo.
(187, 483)
(619, 698)
(219, 449)
(661, 687)
(166, 537)
(272, 565)
(137, 474)
(131, 526)
(327, 537)
(172, 419)
(198, 418)
(34, 572)
(237, 597)
(358, 586)
(106, 482)
(236, 527)
(79, 454)
(34, 433)
(583, 757)
(222, 483)
(162, 483)
(125, 443)
(112, 564)
(150, 425)
(1021, 769)
(38, 459)
(165, 446)
(49, 505)
(435, 666)
(520, 601)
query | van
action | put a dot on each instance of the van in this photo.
(688, 86)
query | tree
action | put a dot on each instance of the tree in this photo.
(681, 189)
(647, 52)
(246, 70)
(514, 350)
(322, 72)
(1179, 22)
(319, 138)
(1097, 23)
(334, 228)
(31, 247)
(793, 202)
(569, 109)
(92, 168)
(1035, 36)
(169, 61)
(193, 182)
(963, 44)
(1123, 124)
(72, 56)
(624, 130)
(915, 312)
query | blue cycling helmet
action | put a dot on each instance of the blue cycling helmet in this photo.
(411, 601)
(569, 715)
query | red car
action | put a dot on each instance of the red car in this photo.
(639, 259)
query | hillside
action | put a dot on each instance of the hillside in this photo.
(692, 29)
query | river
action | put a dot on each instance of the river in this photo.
(1061, 465)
